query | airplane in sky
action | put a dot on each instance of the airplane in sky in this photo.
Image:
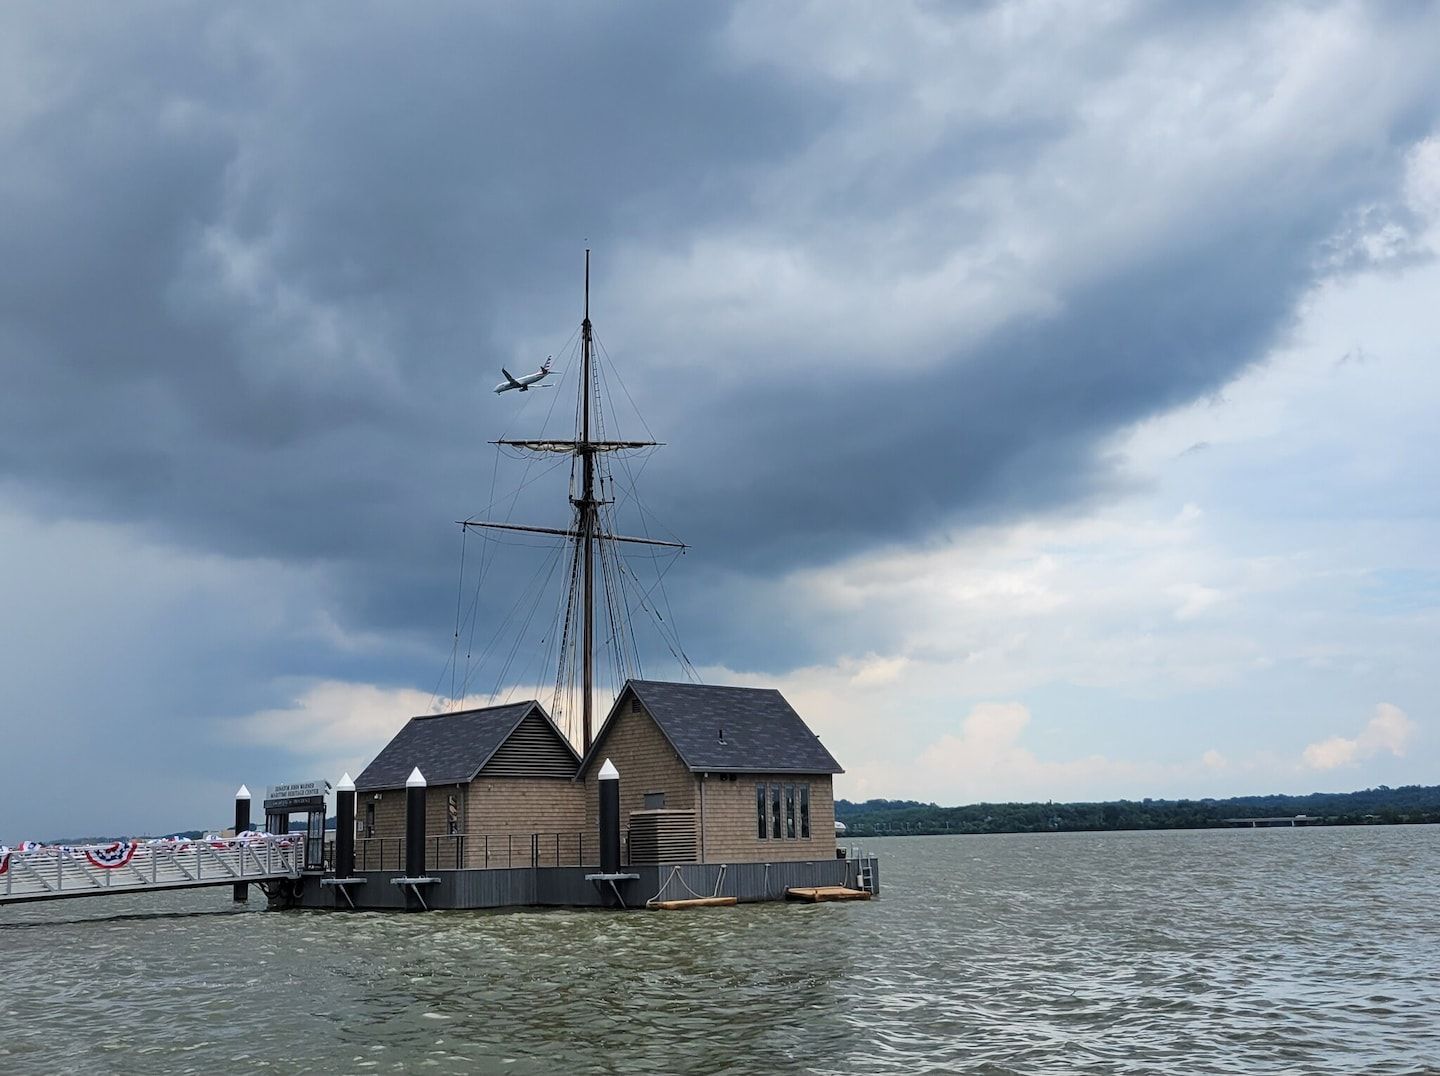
(524, 383)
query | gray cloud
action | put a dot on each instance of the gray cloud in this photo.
(256, 273)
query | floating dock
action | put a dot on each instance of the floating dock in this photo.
(638, 887)
(820, 894)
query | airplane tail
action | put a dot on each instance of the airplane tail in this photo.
(546, 364)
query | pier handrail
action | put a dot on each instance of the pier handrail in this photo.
(54, 871)
(492, 851)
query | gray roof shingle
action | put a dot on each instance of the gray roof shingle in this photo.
(448, 748)
(762, 733)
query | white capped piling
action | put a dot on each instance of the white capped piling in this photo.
(345, 828)
(241, 892)
(415, 824)
(609, 818)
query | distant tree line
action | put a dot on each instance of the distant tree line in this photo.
(1373, 806)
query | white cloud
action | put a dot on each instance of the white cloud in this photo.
(335, 719)
(1204, 629)
(1422, 180)
(986, 760)
(1389, 730)
(877, 670)
(332, 726)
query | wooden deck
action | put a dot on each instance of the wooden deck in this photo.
(821, 893)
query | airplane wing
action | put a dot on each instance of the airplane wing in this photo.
(510, 379)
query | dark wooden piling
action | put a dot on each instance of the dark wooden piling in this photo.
(241, 892)
(345, 828)
(415, 824)
(609, 818)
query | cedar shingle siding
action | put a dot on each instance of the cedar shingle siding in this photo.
(731, 833)
(758, 726)
(513, 775)
(647, 763)
(515, 779)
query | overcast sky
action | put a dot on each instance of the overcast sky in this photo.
(1049, 390)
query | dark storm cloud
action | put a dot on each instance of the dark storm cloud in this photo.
(256, 275)
(184, 218)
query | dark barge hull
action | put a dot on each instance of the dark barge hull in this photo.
(575, 887)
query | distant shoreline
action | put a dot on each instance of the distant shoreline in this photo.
(1382, 806)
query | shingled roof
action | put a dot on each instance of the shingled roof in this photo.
(450, 748)
(716, 729)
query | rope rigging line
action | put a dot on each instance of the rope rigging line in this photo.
(471, 618)
(471, 673)
(565, 666)
(554, 562)
(621, 645)
(610, 365)
(665, 630)
(615, 487)
(546, 654)
(459, 600)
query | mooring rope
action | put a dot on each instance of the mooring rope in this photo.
(675, 875)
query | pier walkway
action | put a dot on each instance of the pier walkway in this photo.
(57, 872)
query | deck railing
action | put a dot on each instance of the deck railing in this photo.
(478, 851)
(52, 871)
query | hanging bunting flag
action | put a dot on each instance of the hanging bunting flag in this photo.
(112, 855)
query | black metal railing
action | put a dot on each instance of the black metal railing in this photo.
(479, 851)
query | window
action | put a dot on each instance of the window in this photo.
(791, 821)
(452, 814)
(654, 801)
(370, 819)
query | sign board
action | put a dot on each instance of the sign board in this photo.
(297, 790)
(297, 795)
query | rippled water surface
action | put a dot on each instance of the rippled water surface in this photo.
(1300, 951)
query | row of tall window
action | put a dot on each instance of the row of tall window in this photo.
(782, 812)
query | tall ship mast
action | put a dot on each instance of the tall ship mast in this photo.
(590, 538)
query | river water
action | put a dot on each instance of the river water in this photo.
(1303, 951)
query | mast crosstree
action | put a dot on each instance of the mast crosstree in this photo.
(585, 533)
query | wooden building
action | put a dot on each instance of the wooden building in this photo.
(502, 791)
(708, 774)
(714, 774)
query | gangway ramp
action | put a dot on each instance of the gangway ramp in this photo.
(59, 872)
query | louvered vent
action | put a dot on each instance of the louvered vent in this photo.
(532, 750)
(662, 837)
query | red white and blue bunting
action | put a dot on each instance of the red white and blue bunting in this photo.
(112, 855)
(120, 853)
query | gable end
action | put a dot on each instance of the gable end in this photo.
(533, 749)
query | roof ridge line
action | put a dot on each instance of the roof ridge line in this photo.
(473, 710)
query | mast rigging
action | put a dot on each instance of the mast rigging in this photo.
(586, 534)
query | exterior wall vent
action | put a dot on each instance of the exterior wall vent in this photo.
(532, 750)
(662, 837)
